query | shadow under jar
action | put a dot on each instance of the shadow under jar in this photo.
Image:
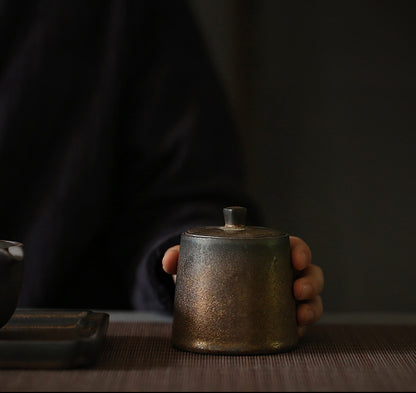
(234, 289)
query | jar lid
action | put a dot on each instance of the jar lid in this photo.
(235, 228)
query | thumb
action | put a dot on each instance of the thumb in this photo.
(170, 260)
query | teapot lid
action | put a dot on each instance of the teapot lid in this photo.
(12, 249)
(235, 228)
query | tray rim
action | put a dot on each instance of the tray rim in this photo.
(78, 352)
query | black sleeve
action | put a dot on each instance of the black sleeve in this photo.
(116, 136)
(180, 160)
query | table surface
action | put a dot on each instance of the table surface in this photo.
(343, 352)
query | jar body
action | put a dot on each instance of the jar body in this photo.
(234, 296)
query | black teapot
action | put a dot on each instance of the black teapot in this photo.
(11, 277)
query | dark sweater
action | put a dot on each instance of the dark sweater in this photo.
(114, 138)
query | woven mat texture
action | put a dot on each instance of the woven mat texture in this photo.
(139, 357)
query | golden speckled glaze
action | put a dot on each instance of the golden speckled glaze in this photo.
(234, 295)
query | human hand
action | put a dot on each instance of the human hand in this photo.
(308, 284)
(170, 261)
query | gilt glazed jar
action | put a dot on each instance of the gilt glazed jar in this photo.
(234, 289)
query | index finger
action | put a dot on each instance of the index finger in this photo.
(301, 253)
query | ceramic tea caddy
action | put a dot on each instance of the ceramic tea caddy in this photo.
(234, 289)
(11, 276)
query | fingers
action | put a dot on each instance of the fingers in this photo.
(170, 260)
(306, 291)
(310, 284)
(301, 253)
(309, 312)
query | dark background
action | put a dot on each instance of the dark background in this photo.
(324, 93)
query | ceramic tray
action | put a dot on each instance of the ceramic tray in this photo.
(42, 338)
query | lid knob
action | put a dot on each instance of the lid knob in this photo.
(234, 217)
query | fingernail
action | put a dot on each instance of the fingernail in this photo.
(307, 291)
(309, 314)
(301, 260)
(305, 257)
